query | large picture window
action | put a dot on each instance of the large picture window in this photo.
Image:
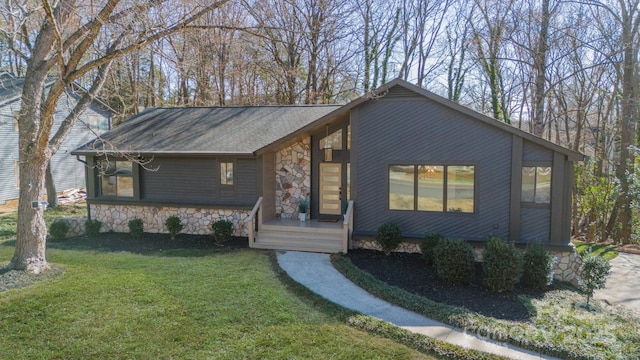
(536, 184)
(443, 188)
(116, 178)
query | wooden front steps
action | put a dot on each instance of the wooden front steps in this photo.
(311, 235)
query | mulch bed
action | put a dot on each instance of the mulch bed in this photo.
(410, 272)
(148, 243)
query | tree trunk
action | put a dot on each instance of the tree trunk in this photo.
(52, 193)
(29, 253)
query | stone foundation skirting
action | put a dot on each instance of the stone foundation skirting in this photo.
(566, 264)
(76, 226)
(196, 221)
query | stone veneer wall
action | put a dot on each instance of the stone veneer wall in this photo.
(195, 220)
(293, 177)
(76, 226)
(566, 263)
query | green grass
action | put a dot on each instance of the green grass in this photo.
(558, 325)
(226, 306)
(9, 222)
(606, 251)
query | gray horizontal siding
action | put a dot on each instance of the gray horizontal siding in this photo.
(535, 224)
(247, 178)
(197, 180)
(533, 152)
(179, 180)
(424, 132)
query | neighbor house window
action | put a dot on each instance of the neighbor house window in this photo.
(226, 173)
(116, 178)
(16, 116)
(97, 122)
(16, 172)
(536, 184)
(443, 188)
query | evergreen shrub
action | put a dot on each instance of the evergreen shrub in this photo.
(454, 261)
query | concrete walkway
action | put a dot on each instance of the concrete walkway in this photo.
(316, 272)
(623, 284)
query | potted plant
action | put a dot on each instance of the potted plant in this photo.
(303, 206)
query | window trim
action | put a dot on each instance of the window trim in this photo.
(445, 185)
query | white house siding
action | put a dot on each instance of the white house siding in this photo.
(68, 173)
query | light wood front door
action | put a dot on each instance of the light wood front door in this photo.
(330, 183)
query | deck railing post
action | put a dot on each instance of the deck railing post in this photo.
(257, 209)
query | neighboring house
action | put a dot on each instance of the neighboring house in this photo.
(400, 154)
(68, 172)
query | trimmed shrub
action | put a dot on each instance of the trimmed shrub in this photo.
(594, 271)
(388, 237)
(502, 265)
(454, 261)
(92, 227)
(136, 228)
(429, 243)
(174, 225)
(222, 231)
(537, 267)
(59, 229)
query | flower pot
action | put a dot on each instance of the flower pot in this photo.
(302, 217)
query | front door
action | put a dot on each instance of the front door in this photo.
(330, 189)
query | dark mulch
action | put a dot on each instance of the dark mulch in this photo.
(410, 272)
(148, 243)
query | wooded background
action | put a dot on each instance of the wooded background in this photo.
(563, 70)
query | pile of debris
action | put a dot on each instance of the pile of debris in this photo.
(72, 196)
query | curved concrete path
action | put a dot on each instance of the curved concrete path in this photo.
(316, 272)
(623, 284)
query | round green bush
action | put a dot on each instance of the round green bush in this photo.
(429, 243)
(537, 268)
(389, 237)
(174, 225)
(454, 261)
(502, 265)
(222, 231)
(59, 229)
(594, 272)
(136, 228)
(92, 227)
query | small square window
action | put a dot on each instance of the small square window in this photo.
(226, 173)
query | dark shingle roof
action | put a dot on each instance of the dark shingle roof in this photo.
(206, 130)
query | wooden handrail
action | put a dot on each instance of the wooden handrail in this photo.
(347, 226)
(251, 220)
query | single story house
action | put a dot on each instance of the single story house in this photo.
(68, 173)
(399, 153)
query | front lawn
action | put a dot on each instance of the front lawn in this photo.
(606, 251)
(225, 305)
(8, 222)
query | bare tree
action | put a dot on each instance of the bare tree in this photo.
(69, 40)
